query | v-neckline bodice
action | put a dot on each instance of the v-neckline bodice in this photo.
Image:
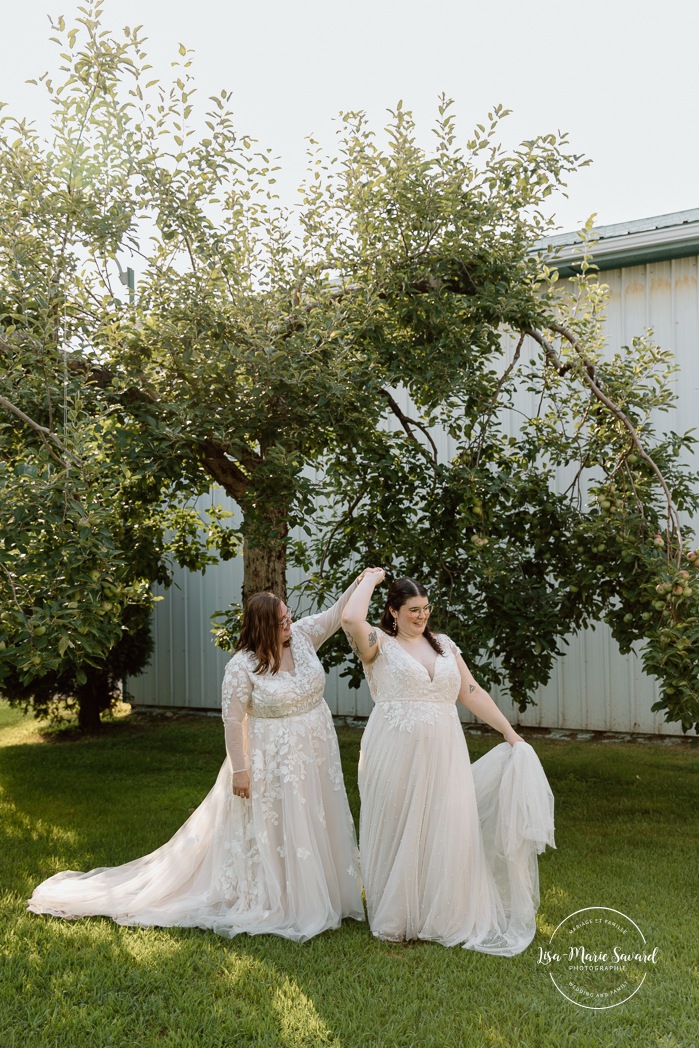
(431, 676)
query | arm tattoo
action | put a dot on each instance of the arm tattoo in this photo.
(471, 688)
(352, 642)
(371, 639)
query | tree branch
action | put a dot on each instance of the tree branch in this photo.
(224, 470)
(589, 378)
(494, 403)
(347, 515)
(43, 432)
(570, 337)
(406, 423)
(215, 457)
(12, 586)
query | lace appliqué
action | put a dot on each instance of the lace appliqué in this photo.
(237, 687)
(315, 629)
(287, 709)
(238, 879)
(283, 752)
(395, 675)
(279, 759)
(404, 715)
(290, 739)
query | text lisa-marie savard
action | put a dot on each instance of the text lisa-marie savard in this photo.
(613, 956)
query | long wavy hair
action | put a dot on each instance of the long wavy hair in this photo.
(259, 633)
(399, 594)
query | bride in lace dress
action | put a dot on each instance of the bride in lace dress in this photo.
(272, 848)
(448, 850)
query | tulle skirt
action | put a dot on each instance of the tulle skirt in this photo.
(449, 850)
(284, 862)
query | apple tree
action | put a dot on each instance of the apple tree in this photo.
(305, 358)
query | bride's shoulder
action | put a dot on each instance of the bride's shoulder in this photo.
(447, 644)
(239, 660)
(376, 636)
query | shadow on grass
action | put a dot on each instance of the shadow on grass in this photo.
(92, 982)
(101, 800)
(622, 817)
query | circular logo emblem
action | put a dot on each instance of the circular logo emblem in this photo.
(598, 958)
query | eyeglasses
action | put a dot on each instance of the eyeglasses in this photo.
(420, 611)
(286, 621)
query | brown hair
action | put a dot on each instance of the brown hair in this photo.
(399, 594)
(259, 633)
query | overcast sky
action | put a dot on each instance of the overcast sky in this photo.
(620, 76)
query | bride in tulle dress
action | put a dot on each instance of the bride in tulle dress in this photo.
(272, 848)
(448, 850)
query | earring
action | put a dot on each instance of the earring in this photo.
(395, 625)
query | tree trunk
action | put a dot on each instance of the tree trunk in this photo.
(264, 540)
(93, 697)
(264, 568)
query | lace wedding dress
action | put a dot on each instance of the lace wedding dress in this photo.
(283, 862)
(448, 850)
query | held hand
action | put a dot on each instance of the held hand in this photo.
(512, 737)
(240, 783)
(377, 575)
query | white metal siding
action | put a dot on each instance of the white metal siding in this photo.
(592, 687)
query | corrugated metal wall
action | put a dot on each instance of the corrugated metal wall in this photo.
(593, 687)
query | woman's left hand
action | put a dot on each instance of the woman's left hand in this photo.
(240, 783)
(512, 737)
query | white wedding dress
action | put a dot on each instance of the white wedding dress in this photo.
(283, 862)
(448, 850)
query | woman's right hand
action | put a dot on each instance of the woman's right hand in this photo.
(240, 783)
(377, 575)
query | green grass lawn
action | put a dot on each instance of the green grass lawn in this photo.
(627, 839)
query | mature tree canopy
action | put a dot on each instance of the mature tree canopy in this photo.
(304, 358)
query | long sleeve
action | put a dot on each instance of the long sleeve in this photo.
(321, 626)
(236, 692)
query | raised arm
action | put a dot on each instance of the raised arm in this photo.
(322, 625)
(362, 636)
(478, 701)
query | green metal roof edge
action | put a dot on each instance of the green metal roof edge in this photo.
(638, 256)
(658, 239)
